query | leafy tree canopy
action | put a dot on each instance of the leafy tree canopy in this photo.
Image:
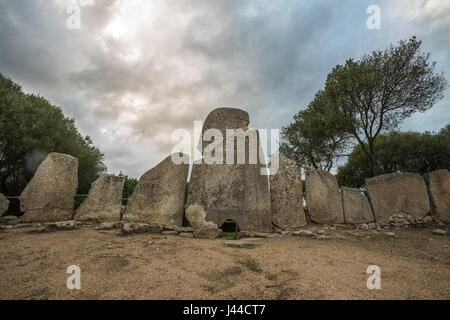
(128, 188)
(376, 93)
(312, 139)
(361, 100)
(30, 128)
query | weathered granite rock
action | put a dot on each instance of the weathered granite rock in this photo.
(323, 197)
(4, 204)
(49, 196)
(137, 228)
(356, 206)
(5, 219)
(159, 195)
(238, 192)
(225, 118)
(239, 244)
(439, 232)
(184, 229)
(109, 225)
(186, 235)
(104, 201)
(208, 233)
(438, 183)
(398, 193)
(196, 215)
(170, 233)
(286, 193)
(57, 226)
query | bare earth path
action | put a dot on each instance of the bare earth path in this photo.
(414, 265)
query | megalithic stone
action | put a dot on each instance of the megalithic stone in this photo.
(398, 193)
(286, 193)
(222, 119)
(49, 196)
(238, 190)
(438, 183)
(159, 195)
(104, 201)
(356, 206)
(323, 197)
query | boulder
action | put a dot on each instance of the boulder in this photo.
(138, 228)
(356, 206)
(104, 201)
(159, 195)
(208, 233)
(57, 226)
(239, 244)
(238, 192)
(398, 193)
(186, 235)
(438, 183)
(196, 217)
(286, 192)
(4, 204)
(109, 225)
(170, 233)
(184, 229)
(49, 196)
(323, 198)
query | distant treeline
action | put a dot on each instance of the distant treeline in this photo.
(399, 152)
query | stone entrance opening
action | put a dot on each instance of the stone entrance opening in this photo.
(229, 228)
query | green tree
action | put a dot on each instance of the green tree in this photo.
(378, 92)
(399, 152)
(128, 188)
(30, 128)
(312, 139)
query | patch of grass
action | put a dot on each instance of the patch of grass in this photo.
(231, 271)
(221, 275)
(251, 264)
(231, 235)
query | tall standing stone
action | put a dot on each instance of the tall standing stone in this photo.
(323, 198)
(225, 118)
(356, 206)
(286, 193)
(49, 196)
(104, 201)
(398, 193)
(4, 204)
(235, 191)
(438, 183)
(159, 195)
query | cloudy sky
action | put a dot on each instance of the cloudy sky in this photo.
(138, 69)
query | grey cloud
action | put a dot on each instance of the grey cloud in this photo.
(267, 57)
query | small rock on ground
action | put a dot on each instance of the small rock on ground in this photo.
(239, 244)
(186, 235)
(135, 227)
(439, 232)
(170, 233)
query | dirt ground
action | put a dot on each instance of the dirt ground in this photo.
(414, 265)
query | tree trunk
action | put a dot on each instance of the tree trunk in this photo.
(373, 161)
